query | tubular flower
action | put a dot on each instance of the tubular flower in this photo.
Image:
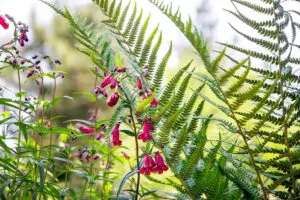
(148, 165)
(139, 83)
(96, 157)
(125, 155)
(121, 70)
(160, 164)
(3, 22)
(114, 83)
(107, 80)
(99, 136)
(23, 38)
(86, 129)
(30, 73)
(146, 135)
(101, 91)
(154, 102)
(116, 136)
(113, 99)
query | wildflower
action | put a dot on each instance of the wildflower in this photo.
(62, 75)
(86, 129)
(107, 80)
(100, 90)
(96, 157)
(114, 83)
(125, 155)
(3, 22)
(113, 99)
(154, 102)
(99, 136)
(30, 73)
(160, 164)
(148, 165)
(23, 38)
(84, 156)
(121, 70)
(145, 135)
(116, 135)
(139, 83)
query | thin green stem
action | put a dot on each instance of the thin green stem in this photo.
(19, 116)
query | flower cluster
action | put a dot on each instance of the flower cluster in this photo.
(149, 165)
(145, 135)
(112, 80)
(85, 156)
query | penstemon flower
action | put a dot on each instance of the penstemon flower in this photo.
(3, 22)
(160, 164)
(139, 83)
(116, 135)
(121, 70)
(125, 155)
(114, 83)
(107, 80)
(30, 73)
(154, 102)
(113, 99)
(146, 135)
(148, 165)
(86, 129)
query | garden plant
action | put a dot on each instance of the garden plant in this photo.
(228, 128)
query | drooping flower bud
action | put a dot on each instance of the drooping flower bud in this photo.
(160, 164)
(107, 80)
(3, 22)
(139, 83)
(125, 155)
(96, 156)
(148, 165)
(116, 135)
(99, 136)
(30, 73)
(113, 99)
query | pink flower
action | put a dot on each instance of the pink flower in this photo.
(107, 80)
(84, 156)
(154, 102)
(139, 83)
(114, 83)
(116, 136)
(23, 38)
(125, 155)
(160, 164)
(30, 73)
(148, 165)
(113, 99)
(99, 136)
(3, 22)
(96, 156)
(100, 90)
(86, 129)
(145, 135)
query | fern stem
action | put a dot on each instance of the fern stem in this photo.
(282, 104)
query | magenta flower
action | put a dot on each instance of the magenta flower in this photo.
(116, 136)
(99, 136)
(139, 83)
(148, 165)
(114, 83)
(86, 129)
(107, 80)
(113, 99)
(154, 102)
(160, 164)
(121, 70)
(96, 157)
(146, 135)
(30, 73)
(23, 38)
(125, 155)
(3, 22)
